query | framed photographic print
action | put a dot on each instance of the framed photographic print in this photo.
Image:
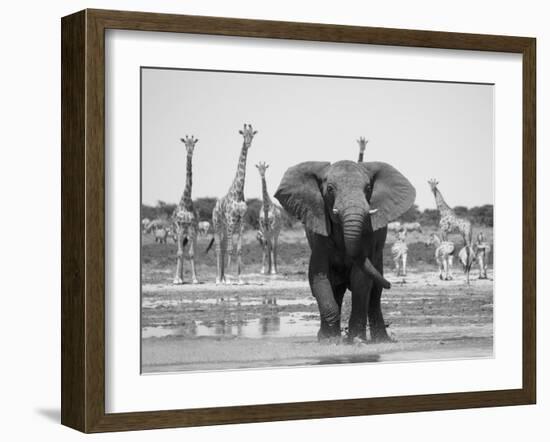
(270, 220)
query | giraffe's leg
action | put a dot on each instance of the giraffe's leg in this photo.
(178, 278)
(274, 270)
(239, 251)
(272, 256)
(218, 238)
(264, 251)
(268, 248)
(229, 250)
(405, 264)
(192, 247)
(442, 268)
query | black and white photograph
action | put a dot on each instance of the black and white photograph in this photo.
(302, 220)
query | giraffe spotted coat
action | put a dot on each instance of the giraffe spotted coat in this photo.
(228, 215)
(185, 218)
(270, 220)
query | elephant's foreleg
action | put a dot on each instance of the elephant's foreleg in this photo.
(361, 287)
(339, 291)
(377, 325)
(328, 307)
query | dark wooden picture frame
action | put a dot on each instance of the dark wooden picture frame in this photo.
(83, 220)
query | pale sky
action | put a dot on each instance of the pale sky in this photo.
(424, 129)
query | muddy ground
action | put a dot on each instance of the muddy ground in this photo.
(273, 320)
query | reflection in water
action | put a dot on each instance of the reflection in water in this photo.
(269, 300)
(230, 316)
(225, 300)
(270, 325)
(291, 325)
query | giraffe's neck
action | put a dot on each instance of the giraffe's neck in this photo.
(237, 188)
(360, 160)
(265, 194)
(186, 197)
(442, 206)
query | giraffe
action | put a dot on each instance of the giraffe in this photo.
(228, 214)
(185, 218)
(362, 146)
(443, 256)
(482, 249)
(399, 252)
(449, 222)
(270, 225)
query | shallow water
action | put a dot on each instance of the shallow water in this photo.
(212, 327)
(275, 326)
(227, 299)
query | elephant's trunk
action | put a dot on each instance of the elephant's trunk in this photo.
(370, 270)
(353, 224)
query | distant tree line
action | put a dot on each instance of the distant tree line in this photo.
(480, 215)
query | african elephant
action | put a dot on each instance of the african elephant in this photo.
(345, 208)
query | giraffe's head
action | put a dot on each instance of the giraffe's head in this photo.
(262, 167)
(433, 184)
(362, 141)
(248, 134)
(189, 143)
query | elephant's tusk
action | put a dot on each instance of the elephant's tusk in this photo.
(373, 211)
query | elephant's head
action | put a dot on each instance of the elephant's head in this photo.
(359, 196)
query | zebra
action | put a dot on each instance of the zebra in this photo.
(204, 227)
(482, 249)
(399, 252)
(443, 256)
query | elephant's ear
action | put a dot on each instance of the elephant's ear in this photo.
(392, 193)
(300, 194)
